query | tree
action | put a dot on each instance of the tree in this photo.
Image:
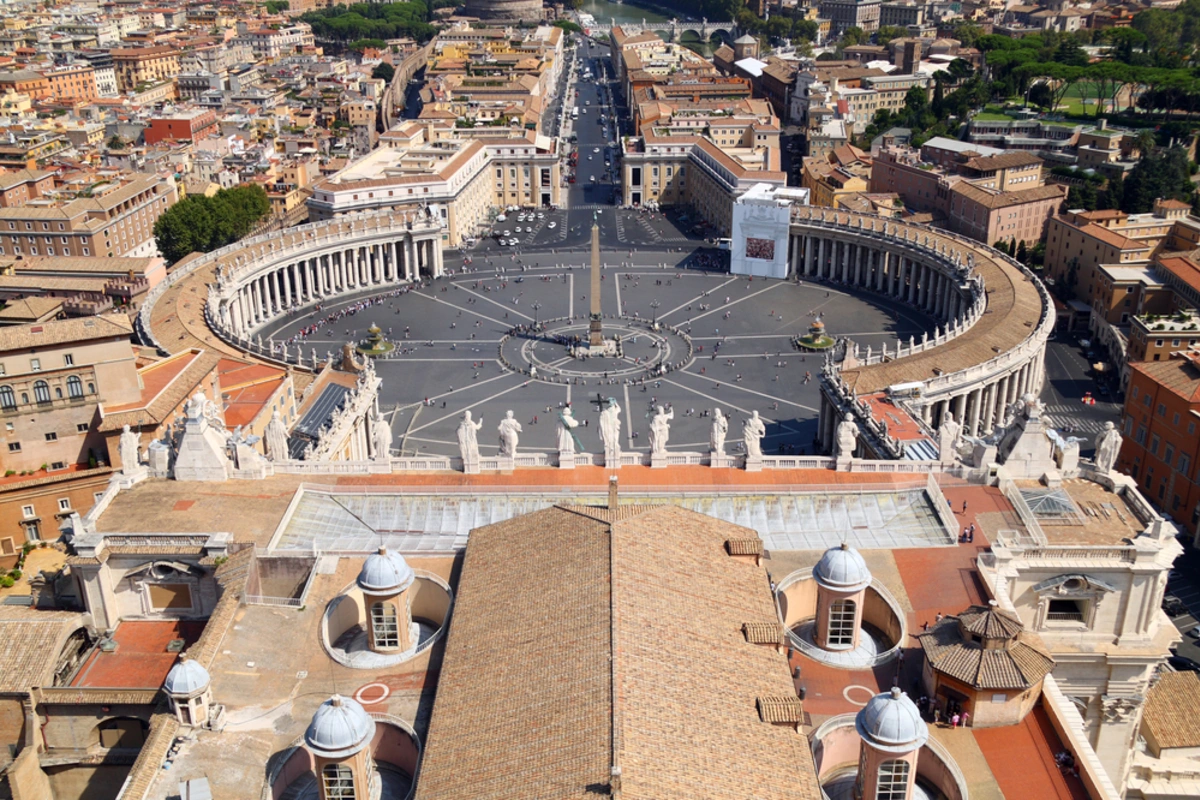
(967, 33)
(888, 32)
(202, 224)
(917, 100)
(385, 71)
(853, 35)
(1157, 175)
(805, 29)
(1022, 252)
(567, 25)
(779, 27)
(116, 143)
(1070, 53)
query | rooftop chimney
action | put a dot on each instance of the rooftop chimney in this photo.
(612, 492)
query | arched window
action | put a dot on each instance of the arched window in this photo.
(841, 623)
(91, 388)
(893, 781)
(7, 398)
(74, 387)
(41, 392)
(58, 392)
(339, 782)
(383, 625)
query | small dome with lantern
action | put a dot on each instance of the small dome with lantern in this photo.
(385, 573)
(187, 677)
(842, 569)
(891, 722)
(339, 728)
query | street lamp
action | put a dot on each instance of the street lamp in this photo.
(536, 306)
(654, 304)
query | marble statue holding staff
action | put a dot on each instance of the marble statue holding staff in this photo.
(276, 438)
(509, 428)
(847, 436)
(610, 431)
(660, 430)
(1108, 446)
(753, 430)
(127, 447)
(949, 433)
(468, 445)
(383, 437)
(716, 435)
(567, 441)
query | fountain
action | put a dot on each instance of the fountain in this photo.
(376, 345)
(816, 338)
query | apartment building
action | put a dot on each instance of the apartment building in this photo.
(844, 14)
(25, 81)
(828, 181)
(271, 44)
(1077, 242)
(459, 175)
(117, 219)
(19, 187)
(1153, 337)
(901, 14)
(72, 84)
(138, 66)
(53, 376)
(992, 215)
(1161, 449)
(190, 125)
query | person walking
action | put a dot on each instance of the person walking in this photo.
(964, 507)
(954, 721)
(966, 715)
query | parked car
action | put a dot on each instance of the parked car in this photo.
(1183, 664)
(1173, 606)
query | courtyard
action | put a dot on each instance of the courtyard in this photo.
(496, 337)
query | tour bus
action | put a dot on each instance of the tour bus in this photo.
(575, 112)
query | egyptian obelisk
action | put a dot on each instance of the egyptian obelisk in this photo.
(595, 337)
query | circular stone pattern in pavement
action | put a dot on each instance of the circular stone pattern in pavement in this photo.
(862, 694)
(558, 352)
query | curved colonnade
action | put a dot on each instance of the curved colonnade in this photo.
(265, 277)
(997, 317)
(994, 317)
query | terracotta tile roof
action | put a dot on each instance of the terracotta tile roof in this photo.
(1003, 161)
(1183, 268)
(1177, 375)
(785, 708)
(31, 308)
(993, 199)
(158, 404)
(1007, 658)
(585, 644)
(1170, 712)
(19, 337)
(763, 632)
(148, 765)
(1112, 238)
(32, 642)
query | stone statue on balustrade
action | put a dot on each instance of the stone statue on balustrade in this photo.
(468, 443)
(276, 438)
(846, 438)
(1108, 446)
(567, 441)
(381, 431)
(509, 428)
(753, 431)
(949, 437)
(127, 447)
(660, 431)
(716, 434)
(610, 432)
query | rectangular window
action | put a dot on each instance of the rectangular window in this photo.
(51, 437)
(68, 360)
(35, 365)
(14, 447)
(27, 511)
(82, 427)
(64, 504)
(1162, 410)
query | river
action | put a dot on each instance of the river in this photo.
(604, 10)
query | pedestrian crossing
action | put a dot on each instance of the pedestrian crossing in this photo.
(1062, 423)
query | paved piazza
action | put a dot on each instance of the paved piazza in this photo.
(454, 352)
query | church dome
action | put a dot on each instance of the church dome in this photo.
(340, 728)
(842, 569)
(187, 677)
(385, 573)
(891, 722)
